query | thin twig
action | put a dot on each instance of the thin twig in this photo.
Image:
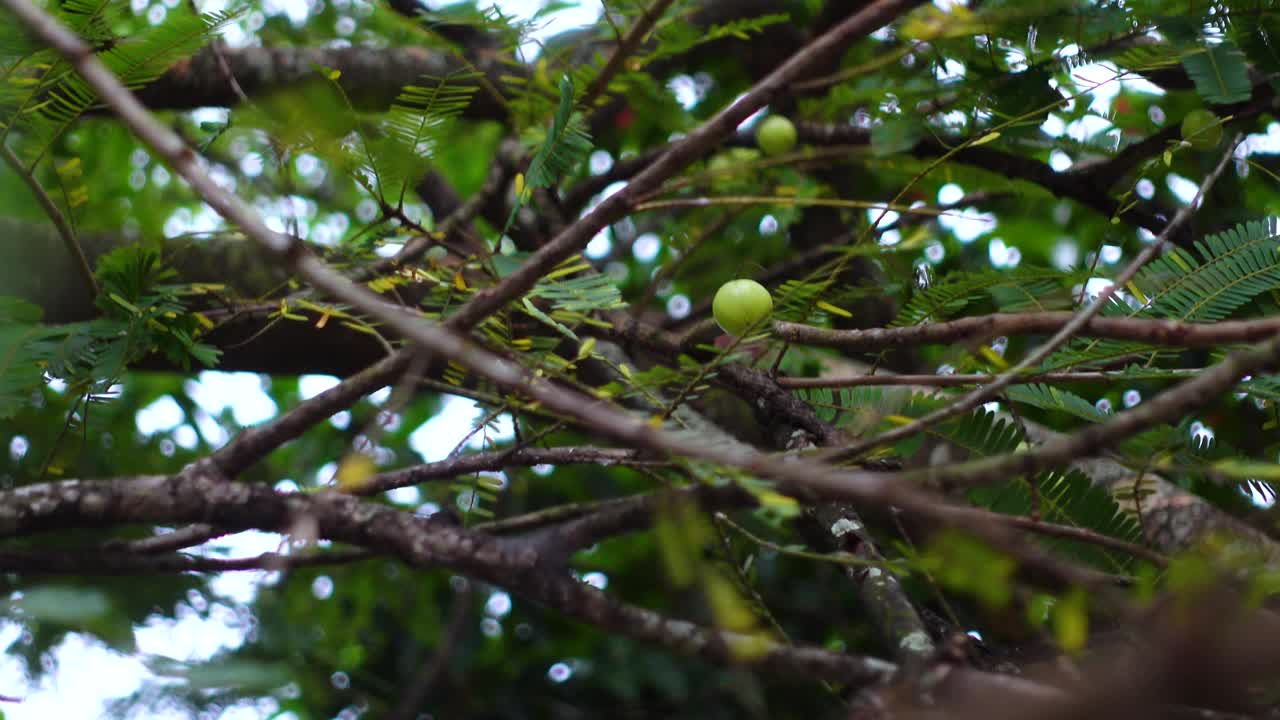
(978, 328)
(65, 231)
(669, 270)
(100, 562)
(626, 48)
(497, 460)
(975, 379)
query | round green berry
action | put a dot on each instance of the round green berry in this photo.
(1202, 130)
(740, 305)
(776, 135)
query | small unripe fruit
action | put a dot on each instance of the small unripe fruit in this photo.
(776, 135)
(740, 305)
(1201, 130)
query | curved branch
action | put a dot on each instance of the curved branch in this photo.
(883, 379)
(1092, 440)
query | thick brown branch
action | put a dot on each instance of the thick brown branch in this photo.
(197, 496)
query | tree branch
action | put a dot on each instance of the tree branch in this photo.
(198, 496)
(979, 328)
(1092, 440)
(882, 379)
(801, 479)
(627, 47)
(65, 231)
(499, 459)
(81, 562)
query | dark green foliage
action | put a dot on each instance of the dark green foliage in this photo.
(1068, 499)
(564, 145)
(1024, 289)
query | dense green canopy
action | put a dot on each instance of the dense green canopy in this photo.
(379, 356)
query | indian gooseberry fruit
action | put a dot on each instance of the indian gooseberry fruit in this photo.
(776, 135)
(740, 305)
(1201, 129)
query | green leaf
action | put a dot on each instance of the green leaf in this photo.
(565, 145)
(416, 124)
(241, 674)
(1220, 73)
(73, 606)
(896, 135)
(1067, 499)
(546, 319)
(1234, 267)
(1050, 397)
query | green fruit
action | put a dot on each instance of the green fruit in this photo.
(776, 135)
(740, 305)
(1201, 129)
(721, 164)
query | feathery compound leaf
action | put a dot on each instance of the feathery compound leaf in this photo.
(1022, 288)
(22, 341)
(1068, 499)
(1235, 266)
(92, 19)
(1144, 58)
(1048, 397)
(565, 145)
(679, 37)
(136, 61)
(582, 294)
(1220, 73)
(1259, 37)
(415, 124)
(982, 433)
